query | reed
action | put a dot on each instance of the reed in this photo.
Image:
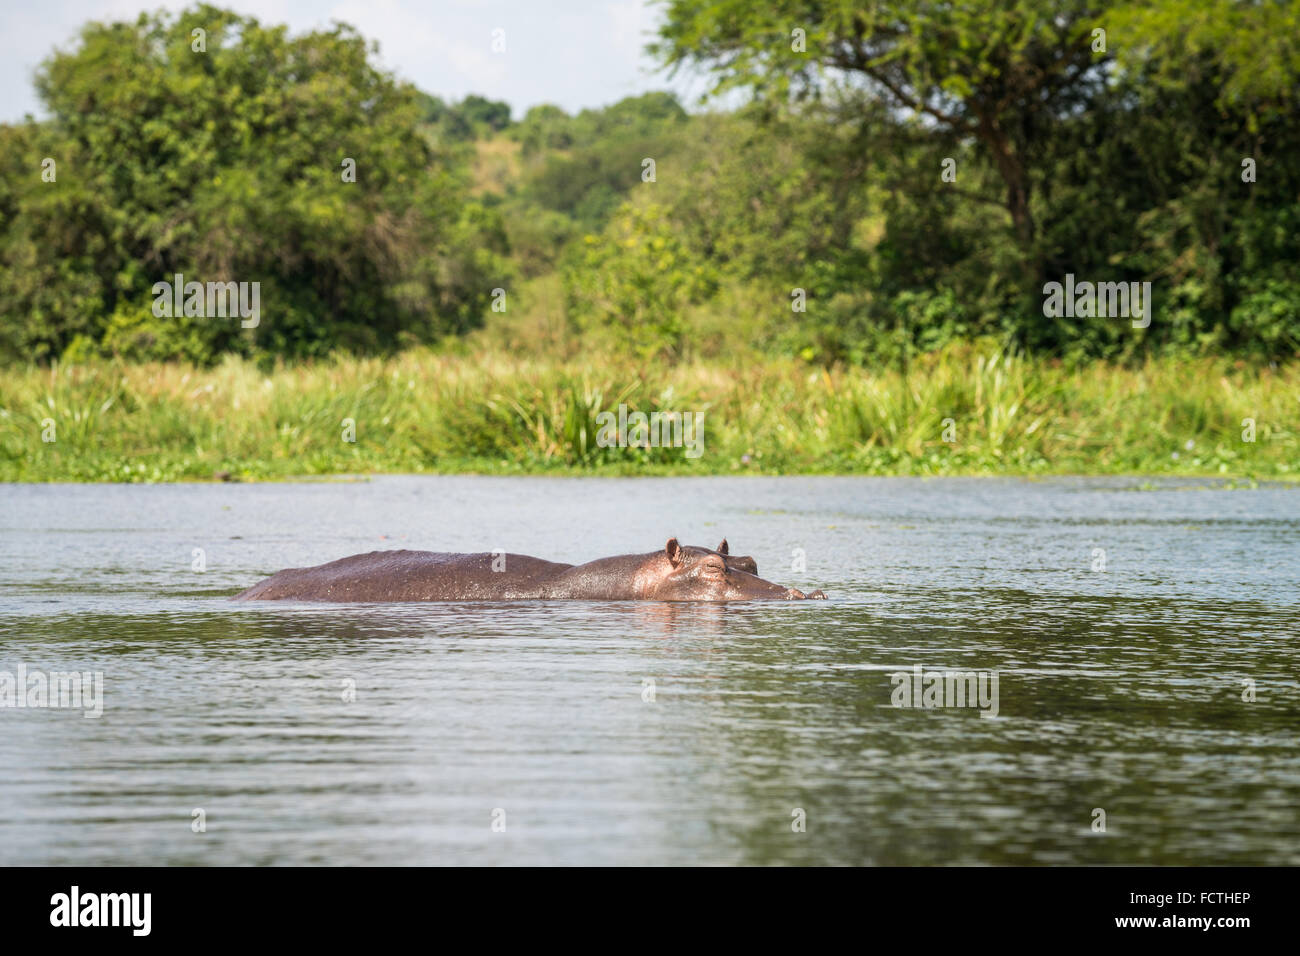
(965, 410)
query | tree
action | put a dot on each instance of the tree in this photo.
(225, 156)
(480, 111)
(1000, 72)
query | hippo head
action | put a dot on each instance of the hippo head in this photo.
(734, 561)
(697, 574)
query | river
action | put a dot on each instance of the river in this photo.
(1142, 637)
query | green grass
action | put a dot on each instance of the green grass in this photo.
(492, 411)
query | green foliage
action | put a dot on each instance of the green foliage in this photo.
(590, 179)
(483, 113)
(1253, 47)
(631, 284)
(1120, 163)
(823, 186)
(227, 165)
(444, 121)
(502, 413)
(544, 127)
(538, 237)
(472, 118)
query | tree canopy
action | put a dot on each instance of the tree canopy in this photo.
(231, 158)
(886, 176)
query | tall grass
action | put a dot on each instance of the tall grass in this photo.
(491, 411)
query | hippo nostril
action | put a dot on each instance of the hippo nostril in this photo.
(818, 595)
(793, 594)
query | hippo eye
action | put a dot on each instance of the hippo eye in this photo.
(715, 567)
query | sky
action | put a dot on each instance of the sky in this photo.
(575, 53)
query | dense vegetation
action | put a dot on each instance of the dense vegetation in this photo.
(1115, 157)
(834, 266)
(961, 410)
(227, 165)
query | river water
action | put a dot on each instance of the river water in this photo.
(1145, 639)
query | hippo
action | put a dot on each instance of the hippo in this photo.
(677, 573)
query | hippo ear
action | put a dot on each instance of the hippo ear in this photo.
(722, 548)
(674, 552)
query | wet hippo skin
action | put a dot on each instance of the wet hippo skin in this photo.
(676, 573)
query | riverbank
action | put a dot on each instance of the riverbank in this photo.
(965, 411)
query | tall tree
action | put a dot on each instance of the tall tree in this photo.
(1000, 72)
(207, 144)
